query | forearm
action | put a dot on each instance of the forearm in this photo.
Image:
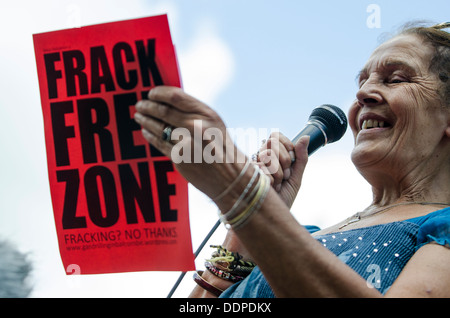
(292, 261)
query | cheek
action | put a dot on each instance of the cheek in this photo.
(353, 118)
(419, 127)
(423, 96)
(417, 107)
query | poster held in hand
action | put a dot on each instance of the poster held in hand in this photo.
(119, 205)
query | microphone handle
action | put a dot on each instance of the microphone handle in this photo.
(318, 137)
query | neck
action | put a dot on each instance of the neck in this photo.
(406, 178)
(422, 186)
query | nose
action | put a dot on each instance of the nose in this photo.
(369, 94)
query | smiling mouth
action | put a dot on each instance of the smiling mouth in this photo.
(373, 123)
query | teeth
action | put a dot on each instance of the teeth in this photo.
(372, 123)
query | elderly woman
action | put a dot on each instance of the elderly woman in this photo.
(397, 247)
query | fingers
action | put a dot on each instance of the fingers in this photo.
(172, 107)
(301, 154)
(276, 157)
(162, 112)
(156, 140)
(178, 100)
(153, 126)
(171, 116)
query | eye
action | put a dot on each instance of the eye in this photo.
(397, 79)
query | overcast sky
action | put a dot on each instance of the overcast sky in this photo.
(261, 64)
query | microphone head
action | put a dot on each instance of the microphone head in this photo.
(333, 120)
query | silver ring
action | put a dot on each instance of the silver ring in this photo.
(167, 133)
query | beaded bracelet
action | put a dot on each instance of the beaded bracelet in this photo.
(206, 285)
(223, 274)
(230, 262)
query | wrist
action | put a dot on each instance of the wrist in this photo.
(226, 199)
(223, 269)
(210, 285)
(250, 192)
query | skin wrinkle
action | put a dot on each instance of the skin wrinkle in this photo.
(402, 107)
(402, 102)
(440, 65)
(422, 179)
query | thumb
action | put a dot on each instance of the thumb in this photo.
(301, 159)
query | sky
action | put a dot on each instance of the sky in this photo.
(260, 64)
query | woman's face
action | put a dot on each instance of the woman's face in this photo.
(398, 119)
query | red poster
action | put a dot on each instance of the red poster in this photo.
(118, 203)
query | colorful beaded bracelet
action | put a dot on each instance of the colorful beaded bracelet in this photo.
(223, 274)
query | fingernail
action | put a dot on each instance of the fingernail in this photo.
(146, 133)
(151, 93)
(306, 139)
(292, 154)
(138, 105)
(286, 173)
(278, 188)
(138, 117)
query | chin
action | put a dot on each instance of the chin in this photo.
(366, 157)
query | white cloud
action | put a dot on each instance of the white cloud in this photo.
(207, 65)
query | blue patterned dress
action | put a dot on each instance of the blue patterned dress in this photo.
(378, 253)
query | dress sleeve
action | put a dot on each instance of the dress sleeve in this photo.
(436, 229)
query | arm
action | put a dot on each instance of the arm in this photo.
(293, 262)
(277, 159)
(427, 274)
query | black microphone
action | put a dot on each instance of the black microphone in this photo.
(326, 124)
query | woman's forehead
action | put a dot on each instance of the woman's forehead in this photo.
(403, 51)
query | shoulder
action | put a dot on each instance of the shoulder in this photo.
(427, 274)
(434, 228)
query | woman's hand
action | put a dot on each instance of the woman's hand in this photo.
(199, 147)
(285, 163)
